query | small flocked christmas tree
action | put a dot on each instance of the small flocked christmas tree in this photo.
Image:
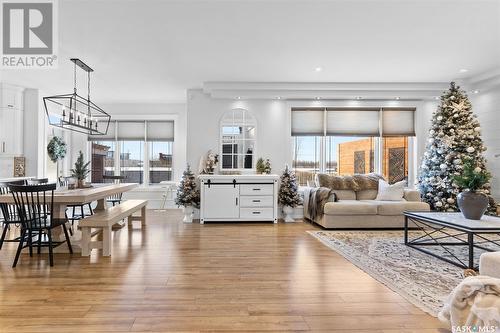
(288, 194)
(454, 139)
(187, 193)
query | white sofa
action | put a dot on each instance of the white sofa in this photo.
(489, 264)
(360, 210)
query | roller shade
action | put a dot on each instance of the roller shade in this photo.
(352, 122)
(160, 131)
(102, 127)
(131, 131)
(307, 122)
(398, 122)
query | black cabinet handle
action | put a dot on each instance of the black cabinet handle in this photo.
(236, 201)
(256, 189)
(256, 213)
(255, 200)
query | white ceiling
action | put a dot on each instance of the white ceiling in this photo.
(152, 51)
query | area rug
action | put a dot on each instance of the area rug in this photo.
(421, 279)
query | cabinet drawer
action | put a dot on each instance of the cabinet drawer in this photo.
(257, 201)
(256, 189)
(256, 213)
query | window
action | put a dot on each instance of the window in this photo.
(347, 141)
(132, 161)
(142, 151)
(306, 159)
(395, 158)
(160, 161)
(349, 155)
(103, 160)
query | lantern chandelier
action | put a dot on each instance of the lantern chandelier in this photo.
(74, 112)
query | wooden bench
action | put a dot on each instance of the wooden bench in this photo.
(105, 219)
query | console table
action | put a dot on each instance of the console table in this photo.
(452, 229)
(233, 198)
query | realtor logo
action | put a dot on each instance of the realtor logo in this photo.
(29, 34)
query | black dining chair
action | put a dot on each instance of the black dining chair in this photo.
(34, 204)
(63, 181)
(9, 213)
(115, 199)
(37, 181)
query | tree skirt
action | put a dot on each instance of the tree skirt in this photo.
(421, 279)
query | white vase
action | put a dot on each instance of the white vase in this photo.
(188, 214)
(288, 211)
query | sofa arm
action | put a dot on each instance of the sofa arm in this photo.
(489, 264)
(411, 195)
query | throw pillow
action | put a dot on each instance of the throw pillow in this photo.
(387, 192)
(367, 181)
(336, 182)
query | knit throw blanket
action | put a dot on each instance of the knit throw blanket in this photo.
(475, 302)
(314, 201)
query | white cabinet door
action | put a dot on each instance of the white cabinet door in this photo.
(11, 98)
(11, 132)
(221, 201)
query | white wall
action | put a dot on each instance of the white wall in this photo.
(204, 114)
(36, 131)
(160, 111)
(273, 116)
(486, 106)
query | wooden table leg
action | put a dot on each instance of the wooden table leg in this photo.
(106, 242)
(143, 216)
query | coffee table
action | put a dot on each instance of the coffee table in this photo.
(452, 229)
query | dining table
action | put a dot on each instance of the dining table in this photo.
(64, 197)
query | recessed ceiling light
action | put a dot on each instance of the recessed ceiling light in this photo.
(359, 97)
(463, 70)
(278, 97)
(436, 97)
(475, 91)
(318, 97)
(398, 98)
(318, 69)
(238, 97)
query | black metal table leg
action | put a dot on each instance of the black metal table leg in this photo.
(406, 230)
(470, 241)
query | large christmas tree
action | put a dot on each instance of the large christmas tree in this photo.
(454, 138)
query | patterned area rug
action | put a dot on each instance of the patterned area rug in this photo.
(421, 279)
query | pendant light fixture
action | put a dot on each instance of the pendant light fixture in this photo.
(74, 112)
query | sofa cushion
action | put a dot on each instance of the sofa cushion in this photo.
(392, 208)
(366, 195)
(350, 207)
(412, 195)
(345, 194)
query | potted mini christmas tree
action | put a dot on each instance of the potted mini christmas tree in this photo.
(81, 170)
(288, 195)
(188, 195)
(260, 167)
(472, 202)
(263, 167)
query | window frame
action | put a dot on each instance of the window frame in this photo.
(378, 153)
(145, 150)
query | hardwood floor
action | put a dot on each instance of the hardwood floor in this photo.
(176, 277)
